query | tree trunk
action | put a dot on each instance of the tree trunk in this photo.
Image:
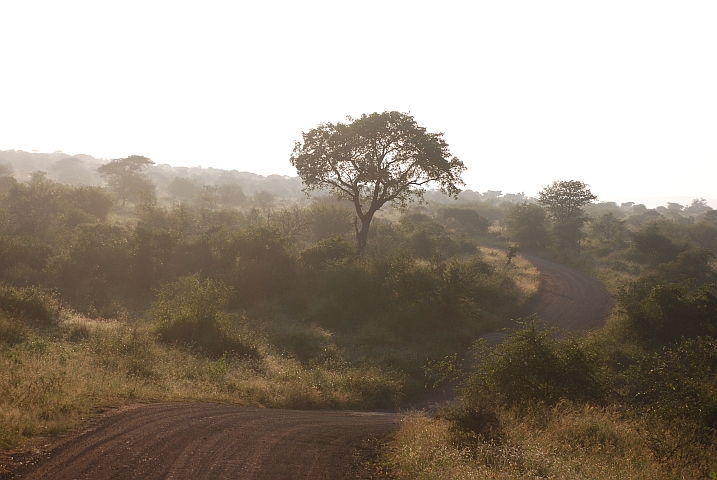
(362, 234)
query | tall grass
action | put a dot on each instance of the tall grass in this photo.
(563, 443)
(54, 382)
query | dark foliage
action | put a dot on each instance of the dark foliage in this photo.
(34, 306)
(189, 311)
(532, 366)
(659, 314)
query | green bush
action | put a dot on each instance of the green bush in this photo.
(477, 420)
(425, 238)
(257, 262)
(651, 244)
(189, 311)
(674, 393)
(90, 269)
(332, 250)
(658, 314)
(527, 224)
(34, 305)
(532, 366)
(469, 220)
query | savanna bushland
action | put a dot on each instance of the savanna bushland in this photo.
(167, 284)
(635, 399)
(133, 290)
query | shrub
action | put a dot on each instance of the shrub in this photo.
(12, 331)
(329, 251)
(34, 305)
(652, 244)
(470, 220)
(189, 311)
(674, 392)
(532, 366)
(259, 263)
(658, 314)
(475, 421)
(527, 224)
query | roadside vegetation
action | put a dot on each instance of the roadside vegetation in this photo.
(635, 399)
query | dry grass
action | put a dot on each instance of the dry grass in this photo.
(564, 443)
(50, 383)
(521, 271)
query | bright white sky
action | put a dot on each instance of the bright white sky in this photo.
(619, 94)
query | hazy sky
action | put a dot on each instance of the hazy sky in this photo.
(619, 94)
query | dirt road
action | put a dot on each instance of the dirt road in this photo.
(209, 441)
(568, 299)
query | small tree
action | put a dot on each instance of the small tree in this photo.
(374, 160)
(609, 230)
(527, 224)
(565, 202)
(125, 176)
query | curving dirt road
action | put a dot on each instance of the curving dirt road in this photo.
(568, 299)
(211, 441)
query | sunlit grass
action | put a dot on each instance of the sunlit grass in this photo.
(52, 382)
(525, 275)
(563, 443)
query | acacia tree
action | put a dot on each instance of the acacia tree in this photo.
(126, 176)
(564, 201)
(374, 160)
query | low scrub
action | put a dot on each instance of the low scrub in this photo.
(532, 366)
(543, 406)
(189, 311)
(33, 305)
(562, 442)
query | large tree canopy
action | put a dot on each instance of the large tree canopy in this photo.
(376, 159)
(126, 176)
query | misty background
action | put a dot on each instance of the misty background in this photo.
(617, 94)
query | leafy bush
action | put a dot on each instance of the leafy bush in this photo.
(477, 420)
(659, 314)
(690, 265)
(90, 269)
(329, 251)
(22, 259)
(34, 305)
(532, 366)
(189, 311)
(426, 238)
(527, 224)
(652, 244)
(469, 220)
(674, 391)
(258, 264)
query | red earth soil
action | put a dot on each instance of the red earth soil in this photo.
(212, 441)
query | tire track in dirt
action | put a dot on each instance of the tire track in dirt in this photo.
(213, 441)
(568, 299)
